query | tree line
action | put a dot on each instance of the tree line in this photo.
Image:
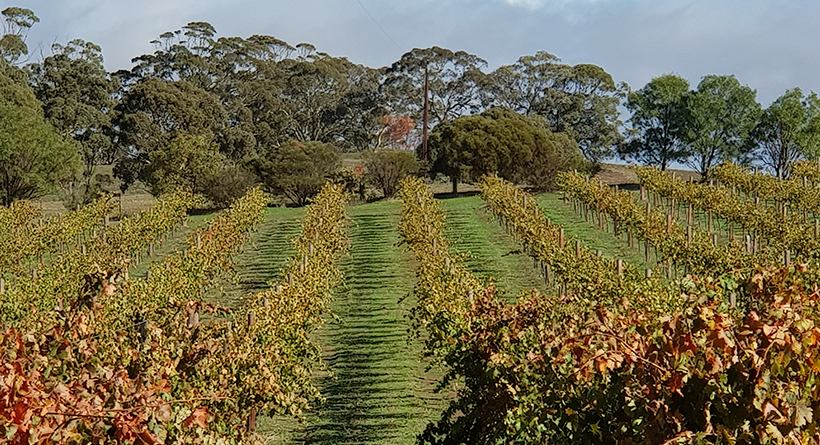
(216, 114)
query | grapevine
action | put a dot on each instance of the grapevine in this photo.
(784, 232)
(725, 363)
(691, 247)
(37, 239)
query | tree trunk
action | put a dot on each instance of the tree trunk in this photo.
(455, 184)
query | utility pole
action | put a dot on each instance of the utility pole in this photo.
(426, 108)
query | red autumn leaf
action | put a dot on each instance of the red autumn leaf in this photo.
(146, 438)
(676, 384)
(199, 416)
(126, 427)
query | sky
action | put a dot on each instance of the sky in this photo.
(770, 45)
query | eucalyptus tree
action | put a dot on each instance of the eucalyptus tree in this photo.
(153, 112)
(580, 101)
(657, 126)
(326, 98)
(455, 83)
(77, 97)
(33, 157)
(720, 115)
(788, 130)
(16, 23)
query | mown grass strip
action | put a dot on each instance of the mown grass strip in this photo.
(377, 390)
(588, 233)
(379, 393)
(490, 253)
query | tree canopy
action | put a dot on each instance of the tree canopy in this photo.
(33, 157)
(579, 100)
(656, 136)
(499, 141)
(719, 117)
(255, 97)
(788, 130)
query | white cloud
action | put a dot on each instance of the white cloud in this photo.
(769, 44)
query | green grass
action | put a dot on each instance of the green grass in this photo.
(174, 241)
(489, 252)
(264, 257)
(588, 232)
(378, 391)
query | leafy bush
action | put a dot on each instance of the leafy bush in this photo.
(297, 170)
(230, 184)
(386, 168)
(188, 162)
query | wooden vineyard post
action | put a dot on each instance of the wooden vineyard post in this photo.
(560, 237)
(668, 223)
(787, 259)
(714, 239)
(816, 228)
(577, 249)
(193, 318)
(619, 267)
(251, 422)
(648, 273)
(646, 250)
(2, 286)
(689, 215)
(688, 236)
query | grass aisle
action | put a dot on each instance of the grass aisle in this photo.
(588, 232)
(380, 394)
(491, 253)
(173, 242)
(265, 255)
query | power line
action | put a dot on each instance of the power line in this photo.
(379, 26)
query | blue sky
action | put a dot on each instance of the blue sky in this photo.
(771, 45)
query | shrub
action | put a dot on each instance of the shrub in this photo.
(297, 170)
(230, 184)
(386, 168)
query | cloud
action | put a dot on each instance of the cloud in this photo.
(768, 44)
